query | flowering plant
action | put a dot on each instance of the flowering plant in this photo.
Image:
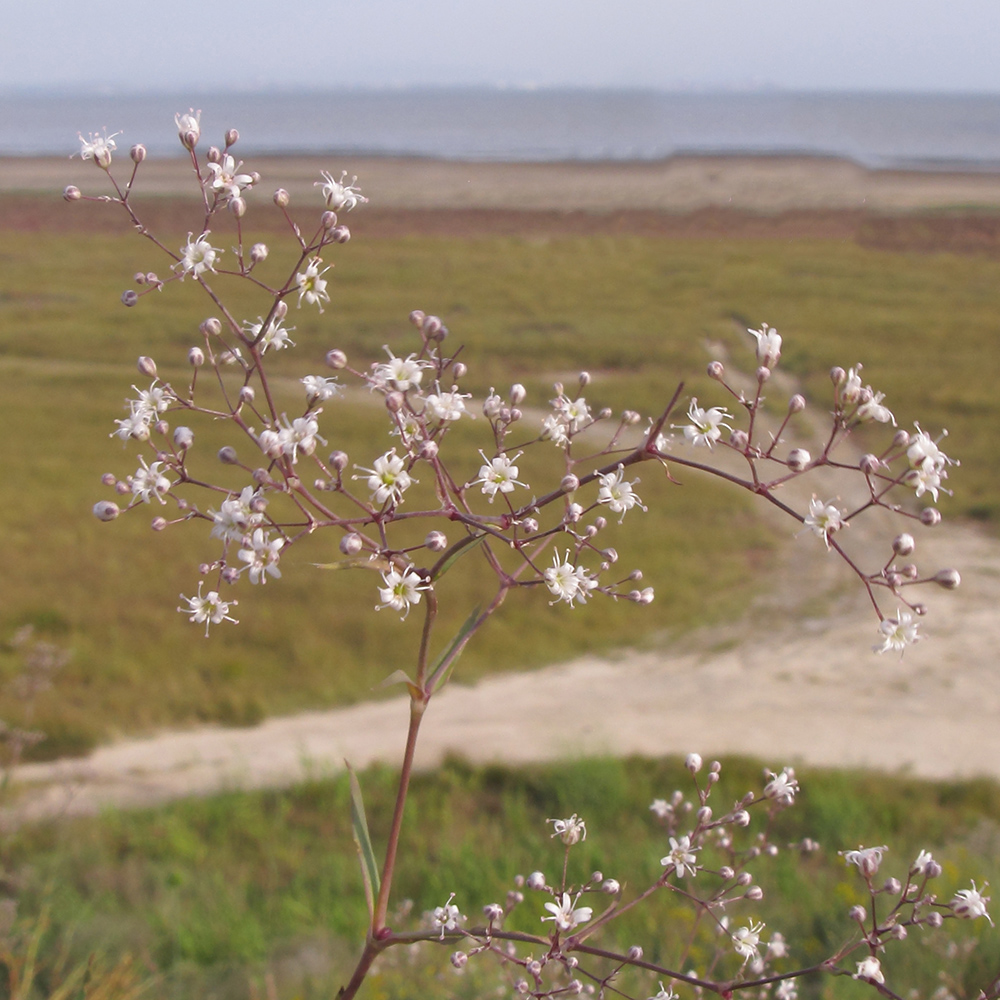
(547, 535)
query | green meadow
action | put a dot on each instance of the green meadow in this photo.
(639, 313)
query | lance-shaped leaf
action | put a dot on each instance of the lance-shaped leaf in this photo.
(455, 553)
(359, 824)
(444, 664)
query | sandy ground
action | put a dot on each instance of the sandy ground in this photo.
(793, 681)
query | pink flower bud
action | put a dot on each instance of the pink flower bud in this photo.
(247, 394)
(517, 394)
(716, 370)
(417, 318)
(129, 297)
(336, 359)
(338, 460)
(892, 886)
(183, 438)
(899, 932)
(857, 913)
(763, 374)
(584, 379)
(838, 375)
(459, 369)
(458, 959)
(744, 878)
(799, 459)
(739, 440)
(436, 541)
(158, 523)
(569, 483)
(72, 193)
(741, 817)
(227, 455)
(214, 154)
(725, 872)
(900, 439)
(196, 357)
(258, 253)
(529, 526)
(211, 327)
(754, 892)
(903, 544)
(340, 234)
(693, 762)
(947, 578)
(869, 464)
(328, 220)
(431, 327)
(106, 510)
(705, 814)
(232, 137)
(930, 516)
(635, 953)
(281, 198)
(934, 919)
(351, 544)
(137, 152)
(238, 207)
(428, 450)
(630, 418)
(536, 881)
(796, 404)
(147, 367)
(493, 912)
(611, 886)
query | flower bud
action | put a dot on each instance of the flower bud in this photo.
(338, 460)
(458, 959)
(584, 379)
(210, 327)
(281, 198)
(744, 878)
(431, 326)
(569, 483)
(227, 455)
(857, 913)
(328, 220)
(258, 253)
(493, 912)
(137, 152)
(571, 962)
(340, 234)
(797, 403)
(605, 413)
(693, 762)
(892, 886)
(196, 357)
(763, 374)
(436, 541)
(536, 880)
(72, 193)
(183, 438)
(214, 154)
(122, 489)
(459, 369)
(705, 815)
(930, 516)
(232, 137)
(755, 892)
(630, 418)
(106, 510)
(611, 886)
(146, 366)
(517, 394)
(428, 450)
(726, 872)
(351, 544)
(513, 415)
(919, 609)
(739, 439)
(947, 578)
(158, 523)
(799, 459)
(838, 376)
(573, 513)
(238, 207)
(635, 953)
(899, 932)
(109, 479)
(869, 464)
(716, 370)
(336, 359)
(529, 526)
(903, 544)
(900, 439)
(934, 919)
(394, 401)
(247, 394)
(129, 297)
(417, 317)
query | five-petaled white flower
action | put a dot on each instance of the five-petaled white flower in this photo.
(301, 434)
(871, 969)
(337, 194)
(922, 863)
(98, 147)
(970, 903)
(664, 993)
(388, 479)
(768, 345)
(210, 609)
(746, 940)
(897, 633)
(445, 406)
(135, 425)
(261, 555)
(149, 481)
(226, 181)
(706, 425)
(823, 519)
(275, 335)
(569, 831)
(867, 859)
(402, 373)
(236, 518)
(874, 410)
(197, 256)
(401, 590)
(319, 388)
(447, 917)
(312, 284)
(782, 787)
(616, 491)
(567, 582)
(188, 124)
(498, 475)
(567, 914)
(681, 857)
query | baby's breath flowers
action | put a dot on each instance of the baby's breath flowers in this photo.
(706, 424)
(98, 148)
(312, 284)
(210, 609)
(897, 633)
(197, 256)
(401, 590)
(567, 914)
(823, 519)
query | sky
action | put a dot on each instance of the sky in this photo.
(189, 46)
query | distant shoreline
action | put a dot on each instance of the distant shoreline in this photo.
(681, 184)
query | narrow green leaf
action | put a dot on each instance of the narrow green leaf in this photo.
(369, 867)
(357, 562)
(448, 656)
(457, 551)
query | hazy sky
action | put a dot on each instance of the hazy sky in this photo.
(188, 46)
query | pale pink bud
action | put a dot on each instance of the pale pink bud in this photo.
(715, 767)
(930, 516)
(763, 374)
(797, 403)
(258, 253)
(340, 234)
(336, 359)
(754, 892)
(214, 154)
(281, 198)
(351, 544)
(493, 911)
(584, 379)
(630, 418)
(573, 513)
(196, 357)
(247, 394)
(106, 510)
(428, 450)
(574, 987)
(799, 459)
(529, 526)
(857, 913)
(892, 886)
(725, 872)
(394, 401)
(739, 440)
(693, 762)
(934, 919)
(947, 578)
(569, 483)
(605, 413)
(716, 370)
(741, 817)
(122, 488)
(705, 814)
(232, 137)
(109, 479)
(417, 318)
(328, 220)
(431, 326)
(635, 953)
(517, 394)
(611, 886)
(513, 415)
(147, 367)
(459, 369)
(869, 464)
(72, 193)
(903, 544)
(338, 460)
(744, 878)
(211, 327)
(227, 455)
(129, 297)
(571, 962)
(137, 152)
(900, 439)
(713, 776)
(919, 609)
(536, 880)
(899, 932)
(158, 523)
(838, 375)
(238, 207)
(458, 959)
(436, 541)
(183, 438)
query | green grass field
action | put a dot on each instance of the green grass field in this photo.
(639, 313)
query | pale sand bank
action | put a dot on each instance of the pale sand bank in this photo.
(679, 184)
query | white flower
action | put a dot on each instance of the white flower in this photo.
(823, 519)
(897, 633)
(235, 518)
(616, 491)
(706, 425)
(135, 425)
(664, 993)
(867, 859)
(388, 479)
(446, 406)
(746, 940)
(498, 475)
(874, 410)
(554, 430)
(197, 256)
(188, 123)
(567, 582)
(871, 969)
(312, 284)
(777, 947)
(970, 903)
(261, 556)
(152, 401)
(661, 809)
(148, 482)
(98, 147)
(786, 990)
(566, 914)
(681, 857)
(926, 478)
(447, 917)
(922, 863)
(300, 435)
(570, 416)
(320, 388)
(923, 448)
(851, 390)
(569, 831)
(210, 609)
(782, 787)
(403, 373)
(400, 591)
(337, 194)
(225, 179)
(768, 345)
(275, 336)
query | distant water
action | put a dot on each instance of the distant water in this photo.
(917, 131)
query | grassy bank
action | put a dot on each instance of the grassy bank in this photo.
(209, 897)
(639, 313)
